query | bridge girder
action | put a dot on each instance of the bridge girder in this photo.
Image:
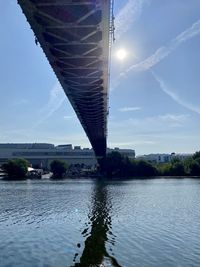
(74, 35)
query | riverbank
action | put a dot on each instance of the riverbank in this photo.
(97, 177)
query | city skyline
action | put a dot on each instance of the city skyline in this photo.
(153, 87)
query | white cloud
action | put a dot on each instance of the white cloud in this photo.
(69, 117)
(162, 133)
(151, 124)
(160, 122)
(127, 15)
(164, 51)
(174, 117)
(175, 120)
(130, 144)
(126, 109)
(175, 96)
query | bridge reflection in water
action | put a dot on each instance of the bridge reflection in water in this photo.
(95, 252)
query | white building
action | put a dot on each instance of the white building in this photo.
(163, 158)
(42, 154)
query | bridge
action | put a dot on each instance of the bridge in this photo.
(75, 36)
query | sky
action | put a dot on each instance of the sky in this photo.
(154, 91)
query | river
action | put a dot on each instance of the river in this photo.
(144, 223)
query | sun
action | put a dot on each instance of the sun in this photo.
(121, 54)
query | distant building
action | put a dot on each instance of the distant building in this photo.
(68, 147)
(163, 158)
(77, 148)
(125, 152)
(41, 154)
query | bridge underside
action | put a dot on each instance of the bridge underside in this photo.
(74, 35)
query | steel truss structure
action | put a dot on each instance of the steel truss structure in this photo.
(75, 36)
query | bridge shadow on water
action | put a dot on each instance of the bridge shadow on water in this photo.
(95, 252)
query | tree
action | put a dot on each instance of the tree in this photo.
(59, 168)
(119, 166)
(16, 169)
(113, 165)
(195, 168)
(144, 168)
(163, 168)
(196, 155)
(177, 169)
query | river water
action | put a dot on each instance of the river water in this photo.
(143, 223)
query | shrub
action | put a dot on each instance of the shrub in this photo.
(144, 168)
(16, 169)
(59, 168)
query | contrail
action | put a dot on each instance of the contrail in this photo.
(127, 15)
(164, 51)
(175, 96)
(56, 99)
(161, 53)
(127, 109)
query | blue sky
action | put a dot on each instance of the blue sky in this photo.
(154, 91)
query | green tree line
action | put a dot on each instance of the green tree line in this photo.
(118, 166)
(115, 165)
(17, 169)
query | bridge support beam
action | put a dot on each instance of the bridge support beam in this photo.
(74, 36)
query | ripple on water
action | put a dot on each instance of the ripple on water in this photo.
(133, 223)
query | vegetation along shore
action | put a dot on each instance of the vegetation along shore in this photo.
(114, 165)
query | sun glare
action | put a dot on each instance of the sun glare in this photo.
(121, 54)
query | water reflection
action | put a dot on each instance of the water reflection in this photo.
(95, 252)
